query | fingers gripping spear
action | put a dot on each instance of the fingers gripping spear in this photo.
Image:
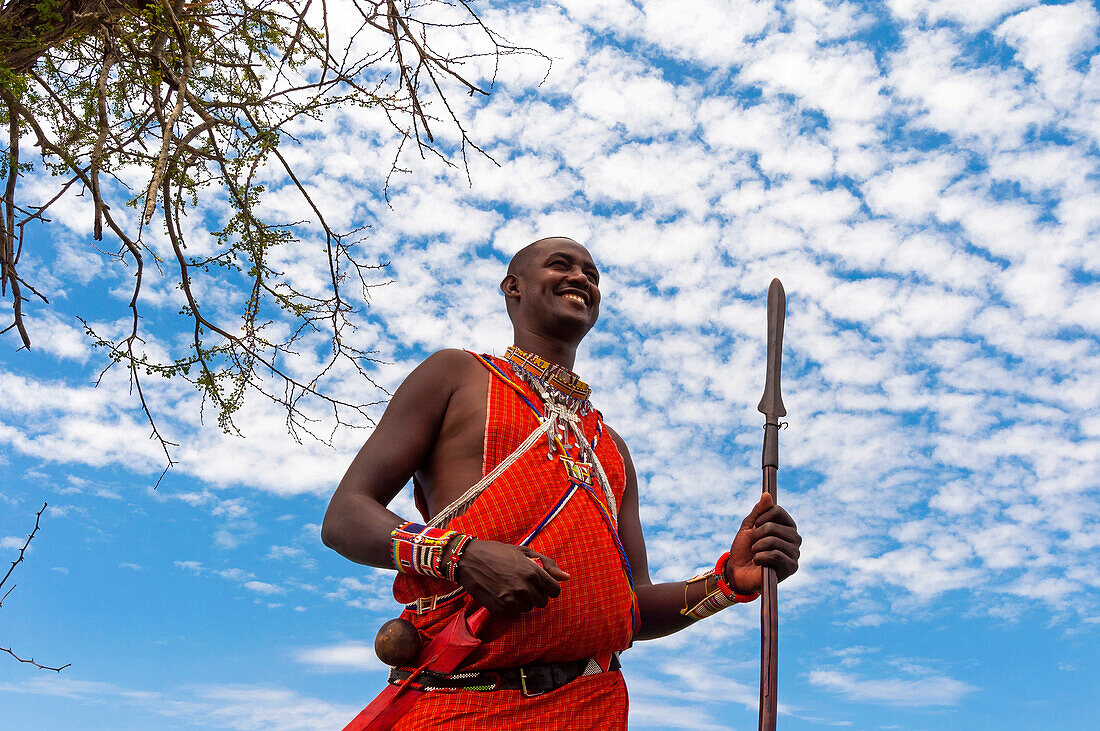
(771, 406)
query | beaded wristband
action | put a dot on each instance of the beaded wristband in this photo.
(451, 566)
(721, 598)
(418, 549)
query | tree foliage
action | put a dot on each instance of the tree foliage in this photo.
(195, 98)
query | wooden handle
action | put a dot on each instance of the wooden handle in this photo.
(769, 632)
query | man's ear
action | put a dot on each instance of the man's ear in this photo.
(510, 286)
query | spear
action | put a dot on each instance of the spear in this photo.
(771, 406)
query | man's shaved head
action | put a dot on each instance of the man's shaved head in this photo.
(552, 288)
(523, 257)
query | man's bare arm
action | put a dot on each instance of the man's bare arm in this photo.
(767, 537)
(357, 524)
(659, 604)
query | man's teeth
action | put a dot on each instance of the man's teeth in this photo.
(576, 297)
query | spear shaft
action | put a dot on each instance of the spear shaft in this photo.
(771, 405)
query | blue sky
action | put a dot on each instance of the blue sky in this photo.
(921, 175)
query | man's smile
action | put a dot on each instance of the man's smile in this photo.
(575, 297)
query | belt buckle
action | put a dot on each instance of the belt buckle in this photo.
(523, 686)
(425, 604)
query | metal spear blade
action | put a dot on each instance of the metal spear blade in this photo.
(771, 403)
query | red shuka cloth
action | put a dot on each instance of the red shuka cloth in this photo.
(590, 618)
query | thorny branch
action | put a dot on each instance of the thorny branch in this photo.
(33, 662)
(155, 105)
(16, 562)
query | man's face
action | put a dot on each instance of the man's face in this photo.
(558, 289)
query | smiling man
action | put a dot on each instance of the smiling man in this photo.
(531, 510)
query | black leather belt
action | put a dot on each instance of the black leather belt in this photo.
(532, 680)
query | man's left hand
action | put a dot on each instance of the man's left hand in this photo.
(768, 537)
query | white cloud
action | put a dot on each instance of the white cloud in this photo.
(243, 707)
(49, 334)
(912, 191)
(12, 542)
(691, 36)
(843, 82)
(284, 552)
(984, 107)
(262, 587)
(250, 707)
(1050, 39)
(972, 16)
(921, 691)
(344, 657)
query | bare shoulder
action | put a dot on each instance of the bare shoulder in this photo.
(445, 368)
(619, 442)
(450, 359)
(628, 463)
(425, 393)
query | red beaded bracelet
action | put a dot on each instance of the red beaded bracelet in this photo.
(721, 598)
(419, 548)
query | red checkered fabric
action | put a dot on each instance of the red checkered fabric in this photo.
(591, 617)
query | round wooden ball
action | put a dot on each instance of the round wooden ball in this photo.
(397, 643)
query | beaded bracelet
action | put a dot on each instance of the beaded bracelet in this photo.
(418, 549)
(451, 567)
(715, 601)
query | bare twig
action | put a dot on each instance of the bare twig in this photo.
(31, 661)
(16, 562)
(23, 550)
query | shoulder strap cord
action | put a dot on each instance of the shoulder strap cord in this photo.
(601, 476)
(545, 427)
(426, 603)
(470, 495)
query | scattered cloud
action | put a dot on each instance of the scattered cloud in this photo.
(14, 542)
(262, 587)
(919, 691)
(244, 707)
(344, 657)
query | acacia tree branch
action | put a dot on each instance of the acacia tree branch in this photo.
(101, 138)
(179, 99)
(32, 661)
(79, 171)
(23, 550)
(8, 254)
(16, 562)
(133, 337)
(168, 125)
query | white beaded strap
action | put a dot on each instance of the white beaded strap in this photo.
(601, 476)
(567, 414)
(470, 495)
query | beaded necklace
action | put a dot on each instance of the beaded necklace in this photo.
(565, 397)
(562, 384)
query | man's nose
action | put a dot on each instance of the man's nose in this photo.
(576, 275)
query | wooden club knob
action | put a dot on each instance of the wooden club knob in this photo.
(397, 643)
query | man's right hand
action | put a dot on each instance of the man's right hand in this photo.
(506, 579)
